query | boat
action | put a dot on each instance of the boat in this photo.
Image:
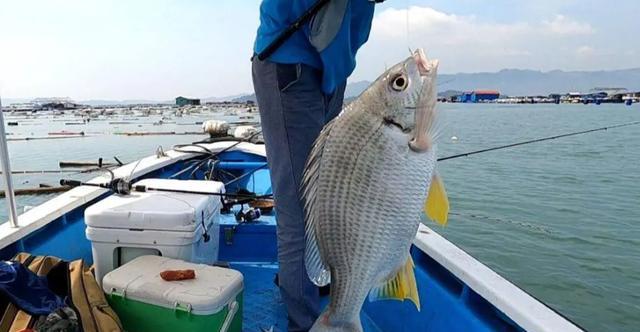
(458, 293)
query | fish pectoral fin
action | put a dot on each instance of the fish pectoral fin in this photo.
(437, 205)
(401, 287)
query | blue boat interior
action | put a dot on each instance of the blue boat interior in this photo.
(447, 303)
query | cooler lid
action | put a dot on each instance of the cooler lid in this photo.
(152, 211)
(212, 289)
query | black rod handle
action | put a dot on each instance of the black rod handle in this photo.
(70, 183)
(290, 30)
(76, 183)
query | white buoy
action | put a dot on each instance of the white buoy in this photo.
(244, 131)
(215, 127)
(454, 138)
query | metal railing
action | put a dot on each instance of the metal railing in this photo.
(6, 173)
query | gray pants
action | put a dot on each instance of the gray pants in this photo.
(293, 110)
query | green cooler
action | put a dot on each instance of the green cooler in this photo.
(145, 302)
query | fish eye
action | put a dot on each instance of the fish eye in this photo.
(399, 83)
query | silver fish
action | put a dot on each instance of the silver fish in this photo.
(364, 187)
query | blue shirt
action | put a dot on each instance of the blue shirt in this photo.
(337, 60)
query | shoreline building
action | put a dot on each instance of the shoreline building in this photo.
(478, 96)
(183, 101)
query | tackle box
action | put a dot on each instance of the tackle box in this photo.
(145, 302)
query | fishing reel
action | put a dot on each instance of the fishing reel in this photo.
(240, 197)
(248, 215)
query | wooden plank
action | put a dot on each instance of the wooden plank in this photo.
(76, 163)
(38, 191)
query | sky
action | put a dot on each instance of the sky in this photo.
(159, 49)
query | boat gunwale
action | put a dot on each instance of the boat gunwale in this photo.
(521, 307)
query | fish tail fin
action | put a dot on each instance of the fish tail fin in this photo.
(401, 287)
(325, 323)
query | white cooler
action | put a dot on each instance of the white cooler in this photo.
(174, 225)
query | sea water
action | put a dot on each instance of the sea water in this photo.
(560, 219)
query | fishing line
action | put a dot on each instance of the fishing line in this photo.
(466, 154)
(408, 27)
(446, 82)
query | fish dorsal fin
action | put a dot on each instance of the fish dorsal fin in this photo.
(437, 205)
(317, 270)
(402, 286)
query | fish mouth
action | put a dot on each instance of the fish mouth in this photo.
(389, 121)
(421, 61)
(420, 141)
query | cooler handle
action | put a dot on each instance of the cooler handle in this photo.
(182, 307)
(115, 293)
(233, 308)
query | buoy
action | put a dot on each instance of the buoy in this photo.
(454, 138)
(244, 131)
(215, 128)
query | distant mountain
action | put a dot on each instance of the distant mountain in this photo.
(225, 98)
(97, 102)
(92, 102)
(9, 101)
(245, 98)
(512, 82)
(515, 82)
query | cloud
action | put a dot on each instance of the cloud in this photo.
(565, 26)
(585, 50)
(465, 43)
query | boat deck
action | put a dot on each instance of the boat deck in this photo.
(262, 305)
(263, 308)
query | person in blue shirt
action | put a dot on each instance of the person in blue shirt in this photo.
(299, 88)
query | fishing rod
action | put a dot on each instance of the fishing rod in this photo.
(466, 154)
(123, 187)
(212, 155)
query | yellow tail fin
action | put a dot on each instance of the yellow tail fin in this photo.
(402, 286)
(437, 205)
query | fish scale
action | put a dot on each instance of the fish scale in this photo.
(364, 188)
